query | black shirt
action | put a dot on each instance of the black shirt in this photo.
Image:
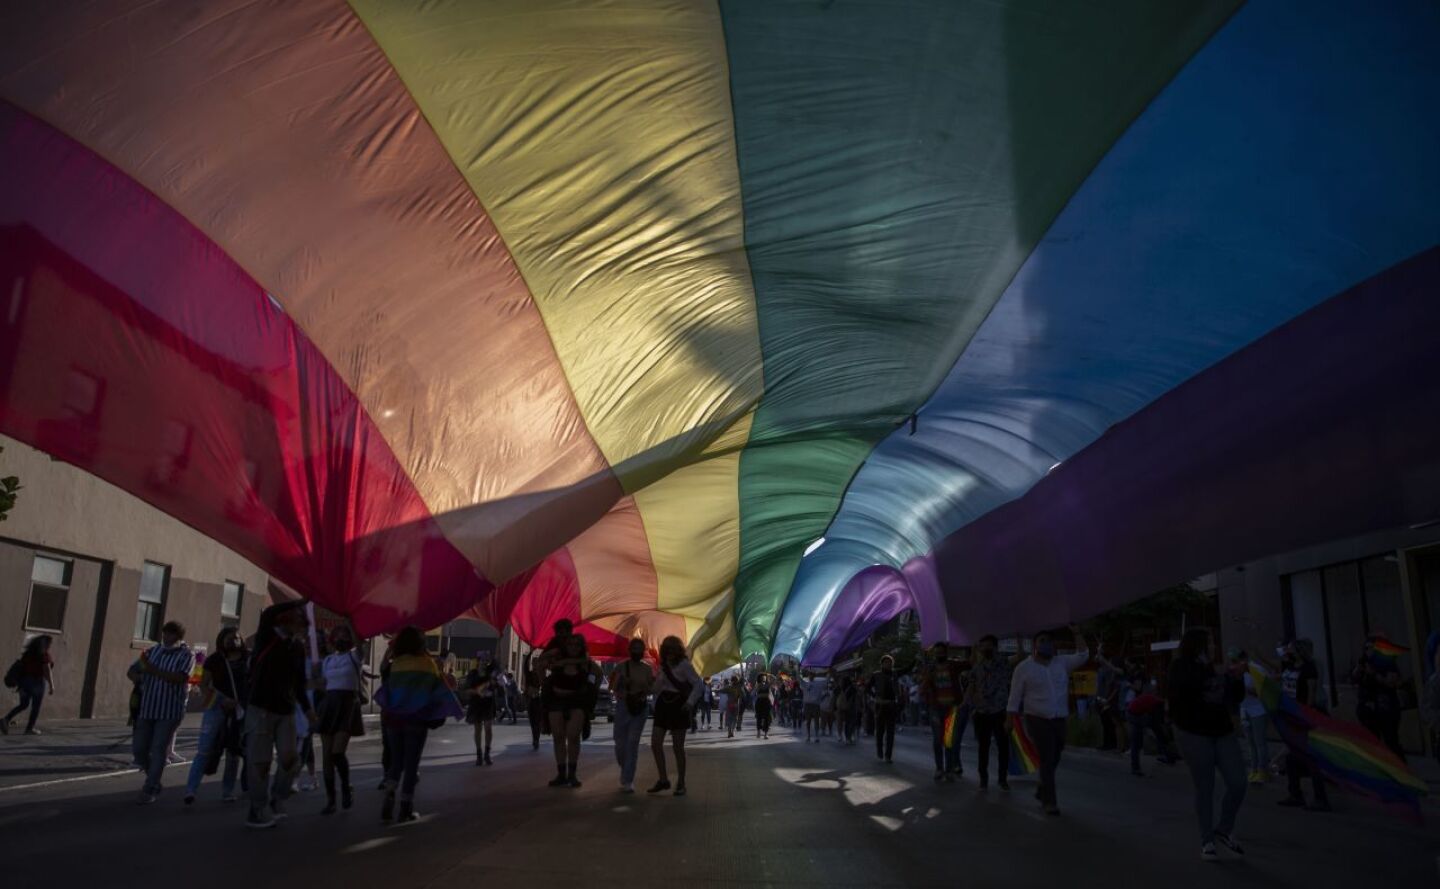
(1201, 699)
(277, 665)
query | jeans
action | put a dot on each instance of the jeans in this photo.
(704, 711)
(268, 734)
(946, 758)
(1204, 755)
(1259, 747)
(1138, 724)
(151, 743)
(1048, 736)
(407, 744)
(885, 730)
(212, 743)
(32, 693)
(990, 727)
(628, 732)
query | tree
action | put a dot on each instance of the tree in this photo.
(1160, 611)
(903, 645)
(9, 488)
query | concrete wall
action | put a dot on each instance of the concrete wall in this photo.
(109, 534)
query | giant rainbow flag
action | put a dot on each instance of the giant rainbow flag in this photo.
(749, 322)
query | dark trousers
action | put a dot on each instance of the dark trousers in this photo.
(32, 693)
(885, 730)
(407, 744)
(990, 727)
(536, 713)
(1297, 768)
(1385, 726)
(1048, 736)
(1138, 724)
(1107, 725)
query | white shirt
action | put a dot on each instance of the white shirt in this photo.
(684, 673)
(815, 690)
(1043, 690)
(341, 671)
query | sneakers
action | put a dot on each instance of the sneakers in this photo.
(659, 786)
(146, 797)
(1208, 853)
(277, 810)
(189, 799)
(488, 760)
(1257, 777)
(628, 787)
(939, 776)
(1004, 784)
(559, 781)
(36, 731)
(1228, 842)
(679, 789)
(229, 798)
(258, 820)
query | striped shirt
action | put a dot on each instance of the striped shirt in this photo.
(160, 699)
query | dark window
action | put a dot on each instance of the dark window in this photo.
(49, 589)
(150, 612)
(231, 597)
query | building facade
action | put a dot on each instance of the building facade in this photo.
(100, 570)
(1336, 595)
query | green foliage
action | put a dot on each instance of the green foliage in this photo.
(9, 488)
(903, 645)
(1156, 612)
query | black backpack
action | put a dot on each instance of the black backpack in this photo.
(12, 675)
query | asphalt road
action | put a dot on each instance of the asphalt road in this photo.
(777, 812)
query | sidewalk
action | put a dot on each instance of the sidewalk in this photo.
(81, 749)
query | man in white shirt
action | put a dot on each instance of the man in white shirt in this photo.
(1040, 692)
(815, 690)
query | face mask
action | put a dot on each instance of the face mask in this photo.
(637, 656)
(1045, 649)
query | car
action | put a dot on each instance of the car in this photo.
(605, 704)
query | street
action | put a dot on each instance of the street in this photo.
(776, 812)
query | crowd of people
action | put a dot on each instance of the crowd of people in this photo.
(265, 701)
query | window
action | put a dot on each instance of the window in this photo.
(49, 588)
(231, 596)
(154, 583)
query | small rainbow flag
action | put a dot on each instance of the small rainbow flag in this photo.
(1343, 751)
(1024, 760)
(952, 719)
(1385, 648)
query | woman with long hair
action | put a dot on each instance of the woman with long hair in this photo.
(413, 700)
(343, 681)
(677, 690)
(37, 676)
(1202, 699)
(222, 691)
(569, 689)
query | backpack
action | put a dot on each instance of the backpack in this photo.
(12, 675)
